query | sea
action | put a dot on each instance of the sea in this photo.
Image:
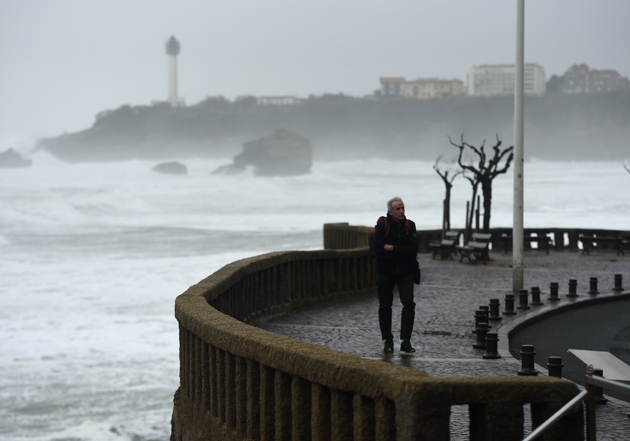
(93, 255)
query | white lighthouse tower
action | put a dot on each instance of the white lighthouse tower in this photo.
(172, 50)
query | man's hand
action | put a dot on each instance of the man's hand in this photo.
(388, 247)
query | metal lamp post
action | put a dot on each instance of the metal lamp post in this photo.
(517, 227)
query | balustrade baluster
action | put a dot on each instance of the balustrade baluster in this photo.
(205, 376)
(213, 380)
(364, 417)
(300, 409)
(221, 385)
(385, 415)
(283, 406)
(266, 409)
(341, 415)
(240, 394)
(320, 399)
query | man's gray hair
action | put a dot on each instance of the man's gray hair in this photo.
(391, 201)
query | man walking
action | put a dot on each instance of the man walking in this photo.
(396, 247)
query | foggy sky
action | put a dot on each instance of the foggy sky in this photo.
(63, 61)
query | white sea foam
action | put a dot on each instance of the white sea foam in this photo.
(93, 256)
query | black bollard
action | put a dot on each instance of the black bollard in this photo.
(592, 283)
(536, 296)
(527, 361)
(599, 392)
(553, 292)
(522, 299)
(495, 306)
(509, 305)
(572, 288)
(492, 346)
(481, 316)
(482, 331)
(618, 283)
(486, 309)
(554, 365)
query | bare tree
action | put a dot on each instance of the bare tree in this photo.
(484, 171)
(443, 170)
(470, 215)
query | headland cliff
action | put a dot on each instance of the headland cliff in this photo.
(557, 127)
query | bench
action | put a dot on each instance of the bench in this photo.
(540, 238)
(589, 239)
(478, 248)
(445, 248)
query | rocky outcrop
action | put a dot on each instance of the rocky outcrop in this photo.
(11, 159)
(171, 168)
(283, 153)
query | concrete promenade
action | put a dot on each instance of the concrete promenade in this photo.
(446, 302)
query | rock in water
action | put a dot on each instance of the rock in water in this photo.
(11, 159)
(171, 168)
(283, 153)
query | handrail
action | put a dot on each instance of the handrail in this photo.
(588, 395)
(567, 408)
(592, 383)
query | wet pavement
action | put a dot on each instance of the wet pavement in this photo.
(446, 302)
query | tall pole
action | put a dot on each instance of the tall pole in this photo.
(517, 227)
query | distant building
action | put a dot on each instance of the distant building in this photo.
(499, 79)
(172, 50)
(392, 86)
(579, 78)
(278, 100)
(422, 88)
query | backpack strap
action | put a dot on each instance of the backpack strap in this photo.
(384, 219)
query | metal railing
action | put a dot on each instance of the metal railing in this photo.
(590, 395)
(343, 236)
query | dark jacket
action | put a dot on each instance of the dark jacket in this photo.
(402, 260)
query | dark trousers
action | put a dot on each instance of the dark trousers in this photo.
(386, 297)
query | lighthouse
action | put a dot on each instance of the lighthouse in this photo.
(172, 50)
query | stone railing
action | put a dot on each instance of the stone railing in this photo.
(238, 382)
(343, 236)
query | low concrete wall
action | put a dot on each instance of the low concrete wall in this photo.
(238, 382)
(343, 236)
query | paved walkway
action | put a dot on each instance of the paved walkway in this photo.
(446, 302)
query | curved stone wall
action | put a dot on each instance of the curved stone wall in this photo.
(238, 382)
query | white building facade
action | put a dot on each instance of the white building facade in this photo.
(488, 80)
(422, 88)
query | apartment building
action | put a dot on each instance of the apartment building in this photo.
(421, 88)
(392, 86)
(499, 79)
(579, 78)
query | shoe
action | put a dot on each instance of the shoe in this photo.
(389, 345)
(405, 346)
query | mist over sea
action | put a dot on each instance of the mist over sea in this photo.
(93, 255)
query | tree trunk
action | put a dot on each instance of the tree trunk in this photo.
(471, 214)
(486, 189)
(447, 209)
